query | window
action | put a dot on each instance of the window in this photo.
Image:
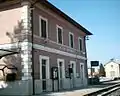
(43, 69)
(112, 73)
(80, 44)
(59, 35)
(43, 27)
(111, 66)
(71, 40)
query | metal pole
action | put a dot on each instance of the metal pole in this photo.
(53, 84)
(58, 79)
(32, 38)
(91, 75)
(86, 66)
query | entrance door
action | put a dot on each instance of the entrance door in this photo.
(82, 72)
(112, 73)
(73, 75)
(44, 71)
(61, 72)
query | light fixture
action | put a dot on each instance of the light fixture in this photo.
(87, 37)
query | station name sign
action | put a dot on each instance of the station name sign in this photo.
(94, 63)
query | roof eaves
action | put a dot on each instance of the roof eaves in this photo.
(111, 61)
(66, 17)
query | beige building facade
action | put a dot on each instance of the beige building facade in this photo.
(112, 69)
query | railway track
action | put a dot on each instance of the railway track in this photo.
(113, 90)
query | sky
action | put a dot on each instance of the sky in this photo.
(102, 18)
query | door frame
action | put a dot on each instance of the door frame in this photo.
(72, 80)
(63, 67)
(63, 70)
(74, 70)
(47, 69)
(82, 70)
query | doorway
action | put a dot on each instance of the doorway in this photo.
(61, 72)
(44, 71)
(82, 72)
(73, 75)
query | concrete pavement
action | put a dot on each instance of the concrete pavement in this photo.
(81, 91)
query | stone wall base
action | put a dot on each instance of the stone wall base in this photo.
(22, 87)
(66, 85)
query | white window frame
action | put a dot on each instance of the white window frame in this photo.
(48, 66)
(83, 71)
(70, 33)
(74, 70)
(57, 26)
(63, 67)
(45, 19)
(79, 38)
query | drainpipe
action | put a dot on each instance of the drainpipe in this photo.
(85, 39)
(32, 40)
